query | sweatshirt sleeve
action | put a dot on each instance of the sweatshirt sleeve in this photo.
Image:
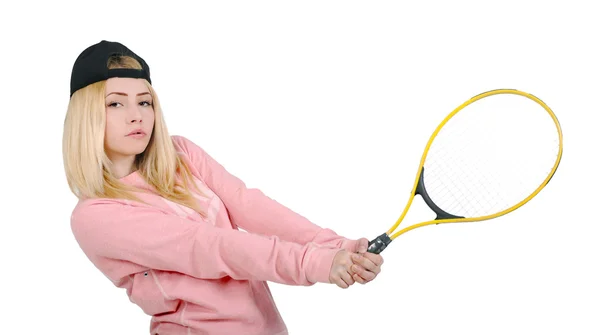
(149, 237)
(251, 210)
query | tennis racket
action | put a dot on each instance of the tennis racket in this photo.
(488, 157)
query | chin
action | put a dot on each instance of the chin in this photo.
(133, 150)
(135, 153)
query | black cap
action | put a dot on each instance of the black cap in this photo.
(92, 65)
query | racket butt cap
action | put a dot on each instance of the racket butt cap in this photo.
(378, 244)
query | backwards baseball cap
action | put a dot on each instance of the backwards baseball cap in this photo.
(91, 65)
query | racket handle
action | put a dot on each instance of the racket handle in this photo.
(377, 245)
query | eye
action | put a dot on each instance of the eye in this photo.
(145, 103)
(113, 104)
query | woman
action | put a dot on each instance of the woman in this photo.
(159, 216)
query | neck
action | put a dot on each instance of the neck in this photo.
(122, 166)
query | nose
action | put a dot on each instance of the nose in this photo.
(134, 114)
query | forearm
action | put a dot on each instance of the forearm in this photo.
(252, 210)
(151, 238)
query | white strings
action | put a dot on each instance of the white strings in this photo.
(491, 155)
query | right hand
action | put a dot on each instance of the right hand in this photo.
(340, 273)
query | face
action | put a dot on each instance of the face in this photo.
(129, 118)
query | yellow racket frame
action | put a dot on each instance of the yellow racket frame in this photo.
(393, 235)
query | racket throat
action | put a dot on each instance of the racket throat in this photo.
(420, 190)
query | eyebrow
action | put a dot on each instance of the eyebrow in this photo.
(125, 94)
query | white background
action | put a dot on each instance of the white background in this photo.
(325, 106)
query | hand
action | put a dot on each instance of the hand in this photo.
(340, 269)
(366, 266)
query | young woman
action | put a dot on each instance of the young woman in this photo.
(159, 216)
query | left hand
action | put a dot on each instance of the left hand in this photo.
(366, 265)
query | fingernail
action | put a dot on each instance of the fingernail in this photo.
(355, 257)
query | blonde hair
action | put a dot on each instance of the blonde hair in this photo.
(87, 166)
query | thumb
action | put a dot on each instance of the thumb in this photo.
(361, 245)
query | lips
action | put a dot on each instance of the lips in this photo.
(137, 132)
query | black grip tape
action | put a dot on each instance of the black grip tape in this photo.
(378, 244)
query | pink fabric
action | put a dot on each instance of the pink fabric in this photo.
(204, 276)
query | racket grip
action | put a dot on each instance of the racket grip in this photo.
(377, 245)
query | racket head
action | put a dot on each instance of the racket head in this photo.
(488, 157)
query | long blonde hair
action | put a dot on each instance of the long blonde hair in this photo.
(88, 168)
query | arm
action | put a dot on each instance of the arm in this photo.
(252, 210)
(148, 237)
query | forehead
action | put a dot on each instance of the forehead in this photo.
(125, 85)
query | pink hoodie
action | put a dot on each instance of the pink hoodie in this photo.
(204, 276)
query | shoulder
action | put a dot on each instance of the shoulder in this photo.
(90, 213)
(184, 144)
(191, 150)
(180, 141)
(198, 159)
(91, 216)
(95, 205)
(100, 219)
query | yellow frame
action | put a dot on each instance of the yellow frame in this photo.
(487, 217)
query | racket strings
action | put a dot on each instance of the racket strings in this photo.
(491, 155)
(448, 187)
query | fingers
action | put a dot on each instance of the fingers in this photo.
(357, 278)
(344, 279)
(366, 267)
(347, 278)
(340, 270)
(340, 283)
(362, 245)
(364, 275)
(368, 262)
(375, 258)
(352, 267)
